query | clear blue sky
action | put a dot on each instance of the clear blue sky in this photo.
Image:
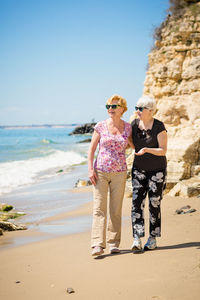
(61, 59)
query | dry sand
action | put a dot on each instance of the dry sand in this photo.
(43, 270)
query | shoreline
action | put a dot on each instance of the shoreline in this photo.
(56, 226)
(45, 269)
(51, 227)
(44, 204)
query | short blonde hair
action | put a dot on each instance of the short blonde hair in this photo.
(148, 102)
(120, 100)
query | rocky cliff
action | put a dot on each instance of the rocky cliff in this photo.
(173, 79)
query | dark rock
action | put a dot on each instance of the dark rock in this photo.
(179, 211)
(8, 226)
(83, 129)
(70, 290)
(85, 141)
(1, 231)
(182, 210)
(190, 211)
(6, 207)
(17, 281)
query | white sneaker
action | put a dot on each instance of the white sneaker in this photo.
(137, 244)
(114, 250)
(150, 244)
(97, 250)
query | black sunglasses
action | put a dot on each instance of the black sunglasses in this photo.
(140, 108)
(113, 106)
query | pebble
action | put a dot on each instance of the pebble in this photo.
(70, 290)
(181, 211)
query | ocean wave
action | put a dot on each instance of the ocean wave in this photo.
(47, 141)
(19, 173)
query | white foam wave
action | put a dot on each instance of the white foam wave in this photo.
(18, 173)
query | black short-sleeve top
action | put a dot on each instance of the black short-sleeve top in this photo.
(141, 139)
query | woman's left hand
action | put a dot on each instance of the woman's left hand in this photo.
(141, 152)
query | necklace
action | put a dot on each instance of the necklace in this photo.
(142, 126)
(144, 134)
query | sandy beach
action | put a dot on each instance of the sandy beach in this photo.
(46, 268)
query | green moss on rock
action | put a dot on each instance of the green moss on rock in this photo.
(6, 207)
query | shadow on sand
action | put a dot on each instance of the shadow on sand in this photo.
(180, 246)
(125, 251)
(170, 247)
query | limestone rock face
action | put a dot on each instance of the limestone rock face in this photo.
(173, 79)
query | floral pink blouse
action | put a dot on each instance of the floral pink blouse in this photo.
(111, 156)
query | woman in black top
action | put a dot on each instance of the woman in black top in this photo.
(149, 138)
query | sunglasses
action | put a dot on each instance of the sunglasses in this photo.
(113, 106)
(140, 108)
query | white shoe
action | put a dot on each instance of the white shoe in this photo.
(97, 250)
(137, 244)
(150, 244)
(114, 250)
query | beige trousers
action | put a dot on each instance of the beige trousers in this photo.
(114, 183)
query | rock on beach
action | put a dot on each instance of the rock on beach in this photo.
(7, 213)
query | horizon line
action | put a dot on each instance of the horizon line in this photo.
(43, 125)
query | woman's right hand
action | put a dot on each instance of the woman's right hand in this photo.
(92, 176)
(93, 145)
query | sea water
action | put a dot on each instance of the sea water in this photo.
(29, 155)
(38, 168)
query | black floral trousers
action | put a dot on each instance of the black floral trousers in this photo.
(153, 183)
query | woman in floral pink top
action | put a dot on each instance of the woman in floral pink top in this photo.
(108, 174)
